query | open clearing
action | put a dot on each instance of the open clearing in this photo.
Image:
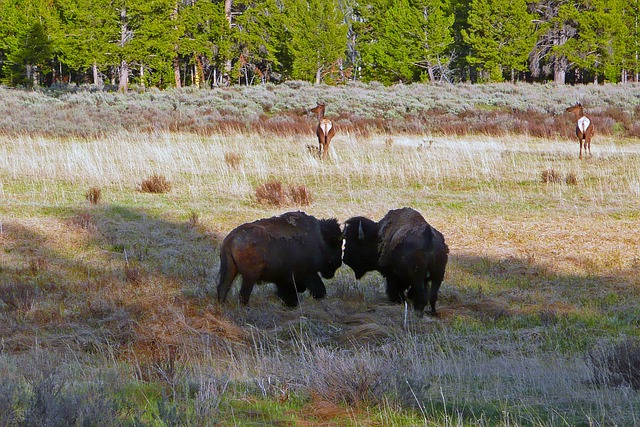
(542, 284)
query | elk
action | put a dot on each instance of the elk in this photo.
(325, 130)
(584, 128)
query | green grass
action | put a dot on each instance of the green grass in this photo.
(122, 294)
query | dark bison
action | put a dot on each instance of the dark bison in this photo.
(288, 250)
(405, 249)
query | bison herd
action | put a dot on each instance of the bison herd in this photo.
(290, 250)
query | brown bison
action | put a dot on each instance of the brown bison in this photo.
(288, 250)
(405, 249)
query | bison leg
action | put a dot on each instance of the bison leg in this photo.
(437, 276)
(395, 292)
(286, 290)
(419, 295)
(228, 272)
(248, 281)
(314, 284)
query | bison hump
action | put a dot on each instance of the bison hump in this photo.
(288, 226)
(394, 229)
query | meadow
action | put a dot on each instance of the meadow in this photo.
(108, 313)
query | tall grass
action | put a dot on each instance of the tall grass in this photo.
(108, 310)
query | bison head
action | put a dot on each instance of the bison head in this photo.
(361, 245)
(332, 235)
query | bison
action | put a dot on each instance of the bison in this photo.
(288, 250)
(405, 249)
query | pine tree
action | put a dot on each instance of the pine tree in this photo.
(260, 37)
(501, 35)
(206, 41)
(602, 38)
(25, 40)
(317, 38)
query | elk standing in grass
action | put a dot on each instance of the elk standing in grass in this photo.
(325, 130)
(584, 128)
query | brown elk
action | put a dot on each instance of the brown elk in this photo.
(325, 130)
(584, 128)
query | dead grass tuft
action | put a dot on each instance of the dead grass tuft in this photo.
(271, 193)
(551, 176)
(93, 195)
(37, 264)
(275, 194)
(571, 179)
(233, 159)
(155, 184)
(617, 366)
(300, 195)
(194, 219)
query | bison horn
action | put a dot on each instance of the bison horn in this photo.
(360, 231)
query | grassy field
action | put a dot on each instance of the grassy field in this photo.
(108, 313)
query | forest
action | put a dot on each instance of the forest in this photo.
(134, 44)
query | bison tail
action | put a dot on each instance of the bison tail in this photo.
(228, 272)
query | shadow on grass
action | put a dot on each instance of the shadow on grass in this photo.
(115, 274)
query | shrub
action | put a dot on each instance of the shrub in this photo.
(156, 184)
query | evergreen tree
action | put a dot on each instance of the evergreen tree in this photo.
(207, 39)
(85, 39)
(600, 44)
(317, 38)
(261, 41)
(501, 35)
(438, 38)
(25, 41)
(552, 32)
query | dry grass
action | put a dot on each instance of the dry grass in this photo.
(274, 193)
(538, 275)
(155, 184)
(551, 176)
(232, 159)
(93, 195)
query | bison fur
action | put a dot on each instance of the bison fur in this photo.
(288, 250)
(409, 253)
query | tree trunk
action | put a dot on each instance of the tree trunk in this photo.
(123, 84)
(176, 58)
(319, 76)
(97, 80)
(228, 5)
(176, 71)
(432, 76)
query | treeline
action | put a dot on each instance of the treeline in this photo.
(205, 43)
